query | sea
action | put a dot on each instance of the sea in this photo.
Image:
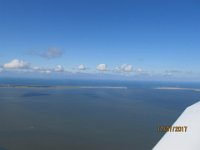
(50, 114)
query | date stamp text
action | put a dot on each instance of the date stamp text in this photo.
(172, 129)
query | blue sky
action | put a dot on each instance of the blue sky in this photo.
(152, 39)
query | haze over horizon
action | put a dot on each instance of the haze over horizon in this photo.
(99, 39)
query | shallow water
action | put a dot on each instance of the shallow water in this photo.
(88, 119)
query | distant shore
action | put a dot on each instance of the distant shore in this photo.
(61, 87)
(177, 88)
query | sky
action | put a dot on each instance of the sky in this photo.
(131, 39)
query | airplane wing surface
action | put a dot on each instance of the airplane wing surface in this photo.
(187, 137)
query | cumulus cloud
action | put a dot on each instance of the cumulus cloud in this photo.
(102, 67)
(16, 64)
(127, 68)
(52, 53)
(59, 68)
(82, 67)
(124, 68)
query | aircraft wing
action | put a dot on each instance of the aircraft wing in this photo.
(188, 139)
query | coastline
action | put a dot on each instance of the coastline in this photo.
(177, 88)
(63, 87)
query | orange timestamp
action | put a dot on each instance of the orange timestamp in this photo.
(172, 128)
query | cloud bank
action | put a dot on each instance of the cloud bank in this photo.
(125, 71)
(41, 70)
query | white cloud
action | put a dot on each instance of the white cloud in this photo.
(16, 64)
(47, 71)
(124, 68)
(59, 68)
(102, 67)
(139, 70)
(82, 67)
(128, 68)
(41, 70)
(52, 53)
